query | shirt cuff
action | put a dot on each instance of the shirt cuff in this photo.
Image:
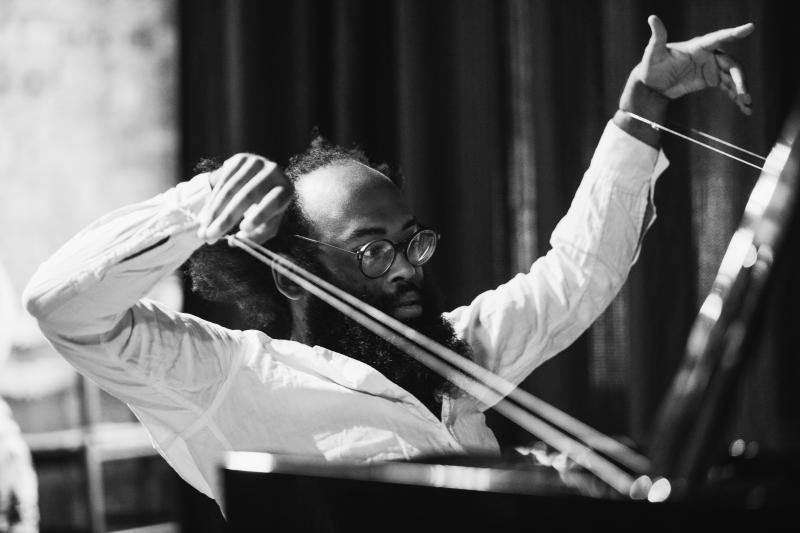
(629, 159)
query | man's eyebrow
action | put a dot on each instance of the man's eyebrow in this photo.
(375, 230)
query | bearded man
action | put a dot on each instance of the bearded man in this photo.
(303, 380)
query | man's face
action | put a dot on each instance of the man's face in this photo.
(350, 205)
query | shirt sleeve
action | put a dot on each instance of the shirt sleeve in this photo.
(88, 300)
(522, 323)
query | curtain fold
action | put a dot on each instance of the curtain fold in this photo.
(492, 110)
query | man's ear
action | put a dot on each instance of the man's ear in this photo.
(287, 287)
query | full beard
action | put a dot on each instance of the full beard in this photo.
(330, 329)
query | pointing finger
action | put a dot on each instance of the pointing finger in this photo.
(712, 40)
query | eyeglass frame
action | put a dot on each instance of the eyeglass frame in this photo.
(362, 249)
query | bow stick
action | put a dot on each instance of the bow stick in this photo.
(519, 406)
(660, 127)
(525, 410)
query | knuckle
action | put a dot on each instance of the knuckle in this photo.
(275, 173)
(261, 171)
(258, 161)
(271, 166)
(233, 163)
(249, 163)
(223, 175)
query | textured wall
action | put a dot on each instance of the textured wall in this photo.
(88, 122)
(88, 117)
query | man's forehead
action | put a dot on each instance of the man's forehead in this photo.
(341, 174)
(343, 198)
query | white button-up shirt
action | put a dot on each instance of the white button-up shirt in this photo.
(201, 389)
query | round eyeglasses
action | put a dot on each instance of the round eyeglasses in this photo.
(376, 257)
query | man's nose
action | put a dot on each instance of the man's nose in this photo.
(401, 269)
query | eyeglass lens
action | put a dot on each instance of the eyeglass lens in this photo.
(379, 255)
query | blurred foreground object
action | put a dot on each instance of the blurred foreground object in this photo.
(19, 506)
(19, 496)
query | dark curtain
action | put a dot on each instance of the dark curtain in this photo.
(492, 110)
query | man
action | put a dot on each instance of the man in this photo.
(309, 382)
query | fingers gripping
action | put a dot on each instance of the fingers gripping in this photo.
(262, 219)
(221, 179)
(731, 67)
(732, 81)
(231, 177)
(726, 84)
(256, 213)
(679, 68)
(247, 186)
(240, 195)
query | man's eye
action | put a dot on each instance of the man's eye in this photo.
(378, 249)
(370, 251)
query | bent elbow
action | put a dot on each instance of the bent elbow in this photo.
(34, 301)
(39, 300)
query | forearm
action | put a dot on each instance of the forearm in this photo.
(100, 273)
(89, 300)
(522, 323)
(598, 240)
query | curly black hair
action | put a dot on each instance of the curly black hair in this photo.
(221, 273)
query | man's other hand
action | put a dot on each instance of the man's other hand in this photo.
(676, 69)
(249, 190)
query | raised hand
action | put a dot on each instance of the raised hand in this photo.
(676, 69)
(247, 188)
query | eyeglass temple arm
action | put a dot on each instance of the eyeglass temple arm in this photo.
(325, 244)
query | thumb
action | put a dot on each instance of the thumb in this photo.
(657, 43)
(658, 35)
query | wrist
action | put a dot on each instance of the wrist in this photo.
(644, 101)
(639, 98)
